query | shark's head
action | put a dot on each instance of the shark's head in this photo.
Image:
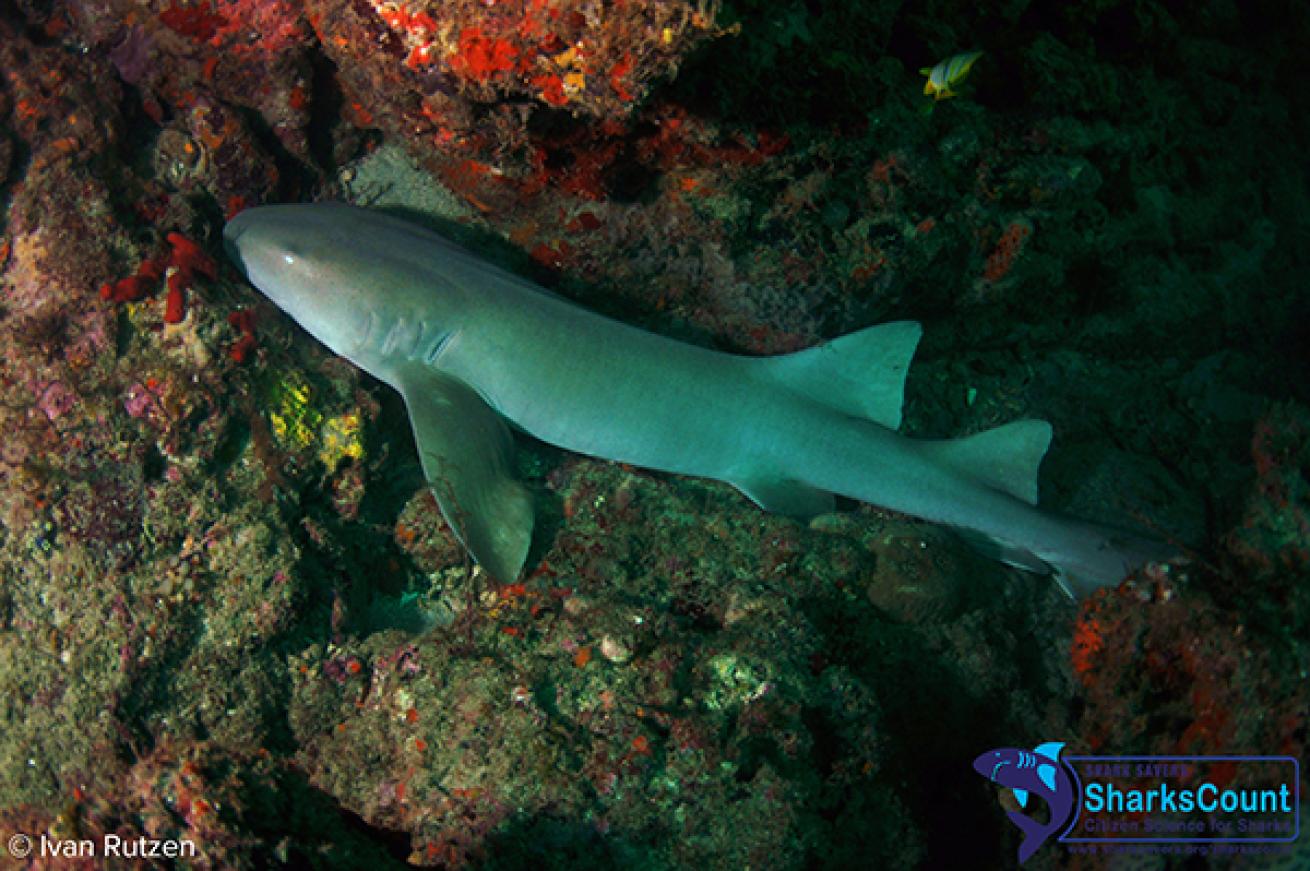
(1038, 770)
(305, 260)
(992, 765)
(368, 286)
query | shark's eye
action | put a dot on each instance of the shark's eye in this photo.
(291, 253)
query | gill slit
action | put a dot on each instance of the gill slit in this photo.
(369, 326)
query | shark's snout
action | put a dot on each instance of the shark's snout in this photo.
(988, 764)
(233, 230)
(231, 233)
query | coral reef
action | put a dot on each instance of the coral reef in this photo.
(457, 73)
(230, 611)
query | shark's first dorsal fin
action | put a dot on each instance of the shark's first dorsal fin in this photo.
(861, 373)
(1006, 458)
(466, 451)
(1051, 750)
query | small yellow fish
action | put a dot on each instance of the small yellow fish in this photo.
(945, 79)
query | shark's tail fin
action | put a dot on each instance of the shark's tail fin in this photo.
(862, 374)
(1084, 556)
(1034, 834)
(1093, 556)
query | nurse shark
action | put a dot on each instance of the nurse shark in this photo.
(474, 349)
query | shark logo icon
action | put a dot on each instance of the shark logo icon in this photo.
(1037, 772)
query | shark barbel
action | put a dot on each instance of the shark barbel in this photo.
(471, 347)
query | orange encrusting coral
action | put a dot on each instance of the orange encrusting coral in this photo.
(1087, 644)
(595, 59)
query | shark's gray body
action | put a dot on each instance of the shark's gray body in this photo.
(470, 346)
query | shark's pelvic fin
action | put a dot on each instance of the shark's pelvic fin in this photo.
(1003, 551)
(862, 373)
(1006, 458)
(466, 451)
(786, 497)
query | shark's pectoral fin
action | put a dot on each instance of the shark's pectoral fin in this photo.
(861, 373)
(466, 452)
(782, 496)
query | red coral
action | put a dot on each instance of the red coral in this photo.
(151, 269)
(128, 289)
(480, 57)
(181, 265)
(175, 304)
(618, 73)
(198, 22)
(552, 89)
(236, 204)
(190, 258)
(1007, 251)
(553, 258)
(243, 321)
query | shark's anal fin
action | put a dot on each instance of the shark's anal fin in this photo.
(861, 373)
(467, 452)
(781, 496)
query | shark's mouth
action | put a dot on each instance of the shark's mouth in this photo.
(997, 767)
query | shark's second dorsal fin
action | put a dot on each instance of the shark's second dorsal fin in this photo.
(467, 457)
(861, 373)
(1006, 457)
